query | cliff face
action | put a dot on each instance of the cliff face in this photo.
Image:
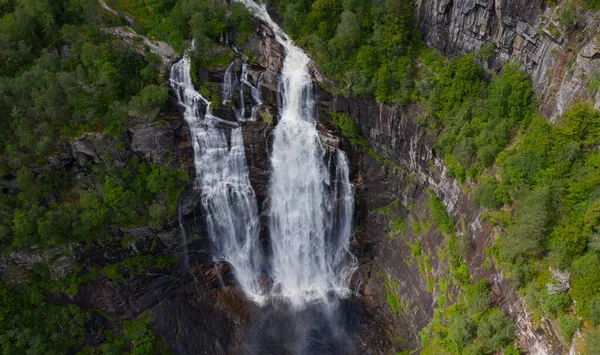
(560, 60)
(399, 189)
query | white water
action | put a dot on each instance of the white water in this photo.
(231, 81)
(311, 214)
(311, 196)
(228, 199)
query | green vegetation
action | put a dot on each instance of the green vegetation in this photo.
(24, 330)
(368, 47)
(136, 264)
(64, 77)
(476, 119)
(471, 326)
(398, 225)
(351, 131)
(391, 285)
(175, 21)
(443, 221)
(117, 198)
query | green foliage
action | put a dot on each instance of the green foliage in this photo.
(471, 326)
(148, 102)
(349, 128)
(568, 327)
(443, 221)
(511, 350)
(568, 16)
(25, 328)
(462, 331)
(368, 47)
(592, 341)
(585, 285)
(477, 299)
(141, 337)
(175, 21)
(487, 51)
(554, 304)
(594, 82)
(490, 194)
(351, 131)
(552, 175)
(138, 264)
(391, 294)
(495, 330)
(416, 249)
(398, 225)
(476, 118)
(529, 229)
(594, 309)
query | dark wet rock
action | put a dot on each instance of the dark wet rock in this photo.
(402, 186)
(163, 143)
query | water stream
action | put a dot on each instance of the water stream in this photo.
(311, 211)
(310, 194)
(228, 200)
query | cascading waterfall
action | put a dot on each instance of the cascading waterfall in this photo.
(311, 215)
(231, 81)
(228, 83)
(228, 199)
(311, 196)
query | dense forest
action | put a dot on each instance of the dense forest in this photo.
(62, 75)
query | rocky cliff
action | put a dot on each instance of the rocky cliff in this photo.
(560, 57)
(396, 190)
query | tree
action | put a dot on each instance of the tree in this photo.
(148, 102)
(496, 330)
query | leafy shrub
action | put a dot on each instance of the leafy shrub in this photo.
(490, 194)
(495, 330)
(554, 304)
(528, 231)
(398, 225)
(148, 102)
(443, 221)
(478, 299)
(585, 283)
(462, 331)
(568, 327)
(594, 310)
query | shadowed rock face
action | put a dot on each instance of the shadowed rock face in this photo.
(527, 31)
(401, 187)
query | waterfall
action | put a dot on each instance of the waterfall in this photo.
(310, 193)
(228, 83)
(228, 200)
(311, 214)
(231, 81)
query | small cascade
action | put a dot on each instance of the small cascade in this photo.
(227, 199)
(257, 97)
(229, 82)
(233, 82)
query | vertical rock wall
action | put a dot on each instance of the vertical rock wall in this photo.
(560, 61)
